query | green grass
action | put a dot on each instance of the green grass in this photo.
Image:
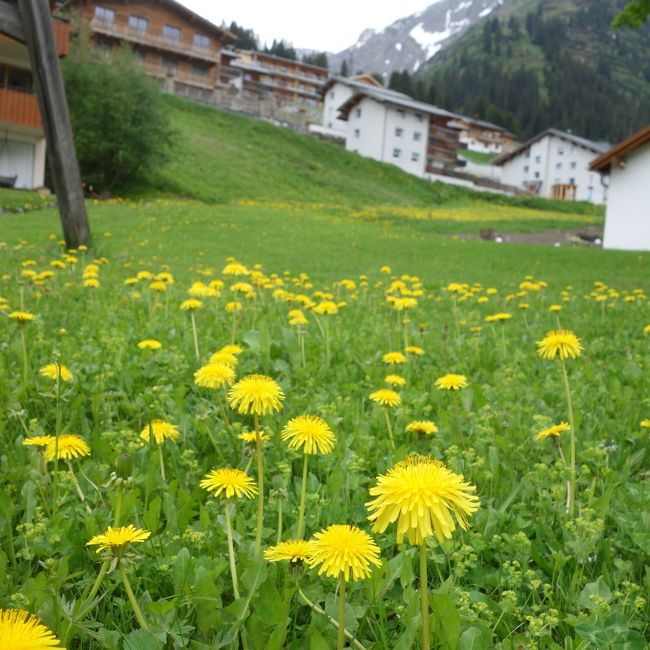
(479, 157)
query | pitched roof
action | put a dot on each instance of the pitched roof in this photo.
(618, 152)
(385, 96)
(355, 82)
(568, 137)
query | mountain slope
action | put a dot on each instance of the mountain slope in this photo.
(536, 64)
(407, 43)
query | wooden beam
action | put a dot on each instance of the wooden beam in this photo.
(10, 23)
(39, 37)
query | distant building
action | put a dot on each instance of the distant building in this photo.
(484, 137)
(22, 140)
(288, 81)
(627, 222)
(555, 165)
(176, 46)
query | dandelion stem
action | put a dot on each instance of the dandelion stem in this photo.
(231, 552)
(82, 496)
(331, 620)
(572, 440)
(57, 432)
(301, 338)
(390, 428)
(303, 495)
(340, 641)
(118, 506)
(327, 343)
(279, 536)
(132, 600)
(455, 310)
(195, 335)
(162, 463)
(424, 596)
(260, 481)
(24, 344)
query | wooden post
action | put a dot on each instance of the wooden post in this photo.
(39, 37)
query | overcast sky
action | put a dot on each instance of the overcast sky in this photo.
(329, 26)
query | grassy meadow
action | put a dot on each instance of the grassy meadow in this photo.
(315, 279)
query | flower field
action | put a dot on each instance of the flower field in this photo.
(206, 452)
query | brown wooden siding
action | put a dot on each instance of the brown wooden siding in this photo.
(62, 36)
(19, 108)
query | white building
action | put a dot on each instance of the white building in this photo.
(484, 137)
(627, 222)
(555, 165)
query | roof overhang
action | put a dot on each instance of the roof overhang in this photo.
(616, 155)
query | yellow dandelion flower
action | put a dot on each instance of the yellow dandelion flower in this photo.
(421, 494)
(158, 286)
(553, 432)
(395, 380)
(161, 431)
(69, 446)
(414, 349)
(451, 382)
(149, 344)
(232, 348)
(424, 427)
(235, 268)
(214, 375)
(117, 540)
(386, 397)
(555, 308)
(343, 550)
(225, 358)
(257, 394)
(311, 433)
(645, 424)
(293, 550)
(56, 371)
(38, 441)
(298, 319)
(385, 270)
(191, 304)
(393, 358)
(327, 307)
(22, 317)
(233, 306)
(646, 329)
(20, 630)
(559, 343)
(91, 283)
(230, 482)
(250, 437)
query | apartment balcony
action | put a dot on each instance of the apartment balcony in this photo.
(163, 73)
(157, 41)
(17, 107)
(276, 72)
(274, 85)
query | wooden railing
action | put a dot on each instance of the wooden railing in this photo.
(18, 107)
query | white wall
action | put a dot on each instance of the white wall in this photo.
(24, 156)
(335, 97)
(627, 222)
(552, 161)
(392, 135)
(479, 146)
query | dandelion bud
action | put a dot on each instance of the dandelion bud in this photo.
(124, 466)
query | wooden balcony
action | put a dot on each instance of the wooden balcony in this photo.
(157, 41)
(18, 107)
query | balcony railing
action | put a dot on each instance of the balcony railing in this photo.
(17, 107)
(256, 66)
(161, 72)
(142, 37)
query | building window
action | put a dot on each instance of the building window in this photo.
(357, 112)
(415, 156)
(169, 63)
(526, 168)
(105, 15)
(332, 94)
(17, 79)
(138, 23)
(527, 153)
(416, 136)
(418, 117)
(573, 165)
(397, 153)
(171, 33)
(202, 41)
(139, 55)
(357, 133)
(558, 166)
(283, 69)
(536, 174)
(398, 132)
(401, 113)
(538, 159)
(200, 70)
(572, 181)
(560, 151)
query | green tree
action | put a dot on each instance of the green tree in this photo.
(634, 14)
(120, 127)
(246, 38)
(316, 58)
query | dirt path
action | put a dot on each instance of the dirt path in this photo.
(588, 236)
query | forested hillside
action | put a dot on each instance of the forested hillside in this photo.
(551, 63)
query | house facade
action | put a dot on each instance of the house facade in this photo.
(555, 165)
(393, 128)
(627, 164)
(484, 137)
(175, 45)
(22, 140)
(286, 80)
